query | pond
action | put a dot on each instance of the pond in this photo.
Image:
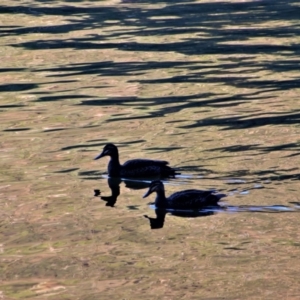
(210, 86)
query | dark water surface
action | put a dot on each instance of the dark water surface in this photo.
(211, 86)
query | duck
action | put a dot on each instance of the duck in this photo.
(135, 167)
(183, 200)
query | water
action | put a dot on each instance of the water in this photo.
(210, 86)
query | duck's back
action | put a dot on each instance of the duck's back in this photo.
(146, 167)
(193, 199)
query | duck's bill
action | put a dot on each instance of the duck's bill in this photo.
(147, 194)
(99, 156)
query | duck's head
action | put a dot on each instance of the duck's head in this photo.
(109, 149)
(155, 186)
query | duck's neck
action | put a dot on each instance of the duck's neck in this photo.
(114, 165)
(160, 200)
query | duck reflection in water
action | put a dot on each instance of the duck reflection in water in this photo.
(158, 222)
(114, 185)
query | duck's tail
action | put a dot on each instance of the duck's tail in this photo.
(171, 172)
(220, 196)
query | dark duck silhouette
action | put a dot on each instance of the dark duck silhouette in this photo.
(183, 200)
(135, 167)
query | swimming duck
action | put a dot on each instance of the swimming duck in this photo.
(135, 167)
(187, 199)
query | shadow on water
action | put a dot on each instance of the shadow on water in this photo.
(16, 87)
(210, 34)
(157, 22)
